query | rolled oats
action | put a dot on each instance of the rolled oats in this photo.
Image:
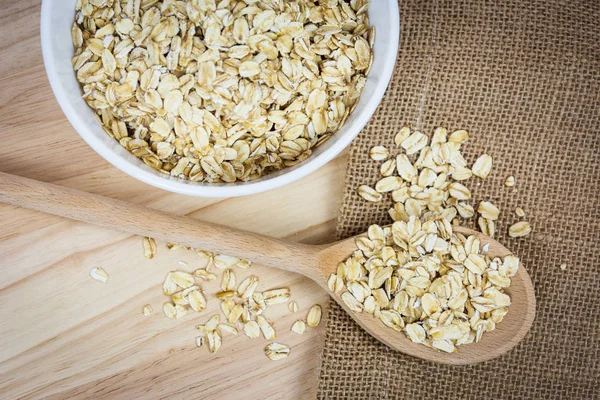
(228, 280)
(438, 287)
(276, 296)
(487, 226)
(460, 136)
(415, 142)
(351, 301)
(293, 306)
(229, 328)
(314, 316)
(482, 166)
(379, 153)
(99, 274)
(214, 341)
(169, 310)
(563, 267)
(299, 327)
(196, 300)
(388, 184)
(265, 327)
(520, 229)
(369, 194)
(401, 136)
(210, 325)
(488, 210)
(252, 329)
(459, 191)
(203, 274)
(277, 351)
(221, 91)
(182, 279)
(149, 247)
(387, 168)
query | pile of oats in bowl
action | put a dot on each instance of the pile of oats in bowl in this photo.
(222, 91)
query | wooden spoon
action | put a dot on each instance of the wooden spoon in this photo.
(315, 262)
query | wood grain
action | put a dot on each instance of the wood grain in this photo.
(316, 262)
(144, 221)
(63, 334)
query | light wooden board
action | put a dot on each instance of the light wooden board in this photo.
(63, 334)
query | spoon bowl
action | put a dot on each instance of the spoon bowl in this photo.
(315, 262)
(507, 334)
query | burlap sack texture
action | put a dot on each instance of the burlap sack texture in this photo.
(523, 76)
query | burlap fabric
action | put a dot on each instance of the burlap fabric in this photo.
(524, 78)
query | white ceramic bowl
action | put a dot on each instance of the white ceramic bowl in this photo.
(56, 20)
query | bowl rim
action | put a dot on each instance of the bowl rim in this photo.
(136, 171)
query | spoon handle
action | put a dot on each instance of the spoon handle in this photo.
(143, 221)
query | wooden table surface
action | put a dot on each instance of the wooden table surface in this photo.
(63, 334)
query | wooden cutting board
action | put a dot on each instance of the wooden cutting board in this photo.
(63, 334)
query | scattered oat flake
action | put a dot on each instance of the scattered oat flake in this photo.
(229, 328)
(488, 210)
(149, 247)
(197, 300)
(277, 351)
(379, 153)
(147, 310)
(510, 181)
(173, 246)
(204, 254)
(169, 286)
(266, 328)
(520, 212)
(181, 310)
(244, 264)
(460, 136)
(169, 310)
(314, 316)
(214, 341)
(402, 134)
(199, 341)
(415, 142)
(182, 279)
(482, 166)
(212, 323)
(276, 296)
(299, 327)
(335, 283)
(252, 329)
(387, 168)
(520, 229)
(99, 274)
(222, 261)
(205, 275)
(563, 267)
(369, 194)
(293, 306)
